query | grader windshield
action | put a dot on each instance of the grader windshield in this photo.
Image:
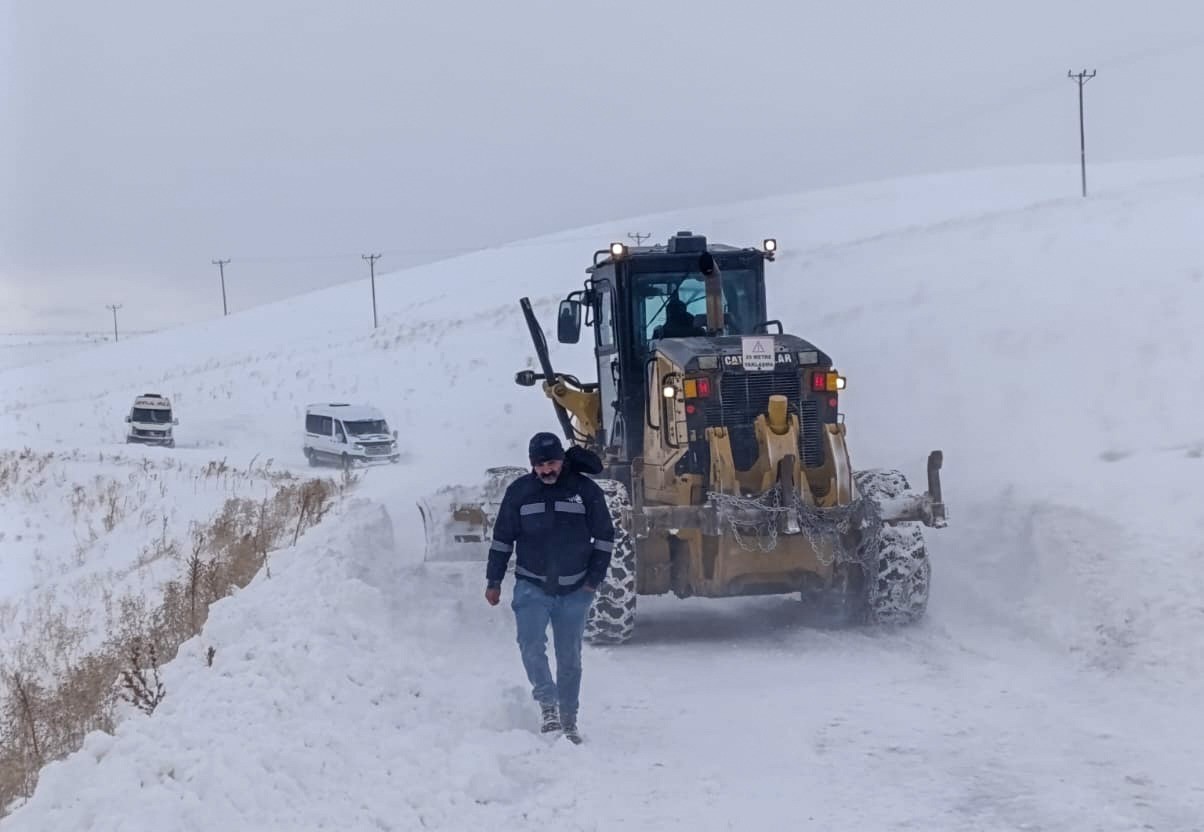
(673, 304)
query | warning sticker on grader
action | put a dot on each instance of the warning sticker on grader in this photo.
(758, 354)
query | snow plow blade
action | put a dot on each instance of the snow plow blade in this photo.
(927, 508)
(458, 520)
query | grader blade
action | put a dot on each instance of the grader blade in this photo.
(905, 505)
(458, 520)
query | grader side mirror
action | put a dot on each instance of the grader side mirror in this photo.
(568, 322)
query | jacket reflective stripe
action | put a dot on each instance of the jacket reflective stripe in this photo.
(604, 545)
(499, 546)
(565, 580)
(569, 508)
(532, 508)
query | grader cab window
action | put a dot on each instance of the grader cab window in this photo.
(675, 305)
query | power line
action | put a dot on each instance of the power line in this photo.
(1082, 78)
(114, 307)
(313, 258)
(403, 251)
(221, 267)
(551, 239)
(372, 258)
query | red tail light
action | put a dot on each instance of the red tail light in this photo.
(704, 387)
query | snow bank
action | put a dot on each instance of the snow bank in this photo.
(316, 679)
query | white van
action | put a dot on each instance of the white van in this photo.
(150, 421)
(348, 433)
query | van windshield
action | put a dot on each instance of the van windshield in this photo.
(366, 427)
(146, 414)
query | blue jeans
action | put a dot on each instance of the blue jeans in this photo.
(534, 609)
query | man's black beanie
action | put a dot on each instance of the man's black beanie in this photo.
(545, 447)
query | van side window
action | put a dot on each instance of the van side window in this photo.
(321, 425)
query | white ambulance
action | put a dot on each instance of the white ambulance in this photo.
(348, 433)
(150, 421)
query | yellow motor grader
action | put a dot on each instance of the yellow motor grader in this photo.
(722, 446)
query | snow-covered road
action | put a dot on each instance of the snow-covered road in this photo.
(735, 714)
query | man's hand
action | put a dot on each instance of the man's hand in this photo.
(493, 595)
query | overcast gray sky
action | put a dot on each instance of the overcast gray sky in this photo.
(144, 139)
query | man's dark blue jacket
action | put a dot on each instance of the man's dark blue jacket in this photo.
(562, 533)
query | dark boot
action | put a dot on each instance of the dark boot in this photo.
(569, 726)
(551, 721)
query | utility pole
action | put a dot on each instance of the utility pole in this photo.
(372, 258)
(114, 308)
(638, 237)
(221, 267)
(1082, 78)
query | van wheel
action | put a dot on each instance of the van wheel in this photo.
(346, 462)
(311, 457)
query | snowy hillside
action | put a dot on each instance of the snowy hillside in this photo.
(1048, 344)
(20, 349)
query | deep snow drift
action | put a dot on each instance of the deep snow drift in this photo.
(1048, 344)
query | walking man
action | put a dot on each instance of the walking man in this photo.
(556, 522)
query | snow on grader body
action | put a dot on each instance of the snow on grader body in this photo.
(719, 445)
